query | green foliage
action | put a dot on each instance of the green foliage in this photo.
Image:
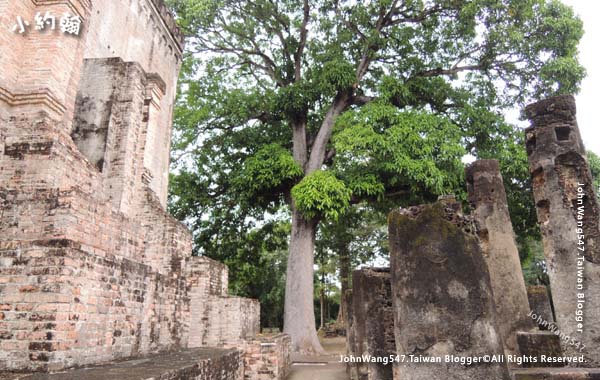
(260, 261)
(380, 147)
(409, 90)
(321, 194)
(335, 75)
(294, 100)
(267, 169)
(534, 266)
(594, 162)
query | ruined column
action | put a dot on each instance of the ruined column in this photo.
(496, 235)
(441, 296)
(374, 323)
(568, 216)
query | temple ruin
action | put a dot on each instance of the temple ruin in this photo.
(97, 280)
(497, 239)
(567, 213)
(456, 283)
(442, 295)
(92, 267)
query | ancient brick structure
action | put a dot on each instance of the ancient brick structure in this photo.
(267, 357)
(194, 364)
(92, 268)
(218, 320)
(568, 216)
(372, 323)
(441, 294)
(496, 236)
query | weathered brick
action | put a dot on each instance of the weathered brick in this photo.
(92, 266)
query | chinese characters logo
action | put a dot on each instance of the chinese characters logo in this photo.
(68, 23)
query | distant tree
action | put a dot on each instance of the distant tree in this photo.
(317, 105)
(357, 238)
(594, 162)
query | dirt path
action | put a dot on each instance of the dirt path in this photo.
(324, 367)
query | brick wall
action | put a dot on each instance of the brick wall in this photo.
(92, 268)
(64, 305)
(267, 357)
(155, 43)
(34, 74)
(219, 321)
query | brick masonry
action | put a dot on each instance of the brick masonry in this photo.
(92, 268)
(267, 357)
(192, 364)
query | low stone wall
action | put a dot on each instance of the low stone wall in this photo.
(267, 358)
(65, 305)
(231, 320)
(441, 294)
(193, 364)
(207, 277)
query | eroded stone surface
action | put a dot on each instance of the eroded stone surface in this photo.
(494, 228)
(442, 297)
(538, 344)
(373, 322)
(539, 302)
(556, 374)
(565, 201)
(193, 364)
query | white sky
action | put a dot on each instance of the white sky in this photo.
(589, 54)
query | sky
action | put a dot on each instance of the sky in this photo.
(588, 97)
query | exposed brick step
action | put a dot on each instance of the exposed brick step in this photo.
(556, 374)
(191, 364)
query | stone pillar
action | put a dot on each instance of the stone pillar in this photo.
(350, 341)
(373, 308)
(496, 235)
(441, 296)
(568, 216)
(112, 110)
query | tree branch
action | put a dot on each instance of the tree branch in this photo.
(361, 100)
(317, 154)
(302, 43)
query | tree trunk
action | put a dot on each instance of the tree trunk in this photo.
(299, 314)
(344, 262)
(322, 308)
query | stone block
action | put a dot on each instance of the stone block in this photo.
(373, 322)
(193, 364)
(538, 344)
(267, 357)
(556, 374)
(540, 305)
(494, 229)
(568, 214)
(441, 295)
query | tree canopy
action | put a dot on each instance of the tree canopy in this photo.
(301, 108)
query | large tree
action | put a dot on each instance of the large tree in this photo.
(320, 104)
